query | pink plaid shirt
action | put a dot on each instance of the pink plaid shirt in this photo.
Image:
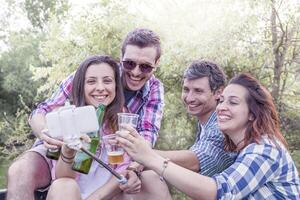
(148, 103)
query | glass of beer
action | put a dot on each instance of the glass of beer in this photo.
(115, 153)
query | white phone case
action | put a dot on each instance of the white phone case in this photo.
(72, 121)
(86, 119)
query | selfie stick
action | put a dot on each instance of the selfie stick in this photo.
(120, 178)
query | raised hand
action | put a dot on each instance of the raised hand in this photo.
(133, 184)
(49, 142)
(134, 144)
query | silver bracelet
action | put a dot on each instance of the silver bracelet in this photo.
(165, 165)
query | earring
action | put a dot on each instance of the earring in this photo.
(251, 118)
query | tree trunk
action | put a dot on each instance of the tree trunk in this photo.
(279, 45)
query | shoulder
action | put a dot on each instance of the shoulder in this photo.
(212, 129)
(153, 88)
(69, 79)
(71, 76)
(154, 82)
(265, 149)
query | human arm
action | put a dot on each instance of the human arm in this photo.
(127, 168)
(133, 184)
(151, 113)
(209, 150)
(63, 166)
(37, 119)
(200, 187)
(39, 128)
(184, 158)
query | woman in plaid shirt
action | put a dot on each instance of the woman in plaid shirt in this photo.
(263, 169)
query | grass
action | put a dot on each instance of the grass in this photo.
(3, 170)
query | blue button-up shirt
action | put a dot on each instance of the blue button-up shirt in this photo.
(209, 148)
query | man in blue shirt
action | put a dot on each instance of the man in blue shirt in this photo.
(203, 82)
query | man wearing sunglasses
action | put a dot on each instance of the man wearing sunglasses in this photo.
(143, 92)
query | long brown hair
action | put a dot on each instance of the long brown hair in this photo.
(78, 98)
(262, 108)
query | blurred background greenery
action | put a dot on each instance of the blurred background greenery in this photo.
(42, 41)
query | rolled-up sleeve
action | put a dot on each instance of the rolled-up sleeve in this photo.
(210, 152)
(152, 112)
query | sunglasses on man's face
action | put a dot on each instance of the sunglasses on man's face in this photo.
(130, 65)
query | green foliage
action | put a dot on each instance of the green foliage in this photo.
(14, 132)
(39, 12)
(15, 76)
(96, 30)
(236, 34)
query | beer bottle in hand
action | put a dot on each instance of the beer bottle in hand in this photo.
(53, 153)
(82, 162)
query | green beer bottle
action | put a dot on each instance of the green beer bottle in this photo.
(82, 162)
(53, 153)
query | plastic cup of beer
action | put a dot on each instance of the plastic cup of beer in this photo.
(115, 153)
(127, 118)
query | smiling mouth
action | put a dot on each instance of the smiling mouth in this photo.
(100, 98)
(223, 118)
(193, 106)
(134, 80)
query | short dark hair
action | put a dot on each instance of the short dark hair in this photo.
(204, 68)
(78, 88)
(142, 37)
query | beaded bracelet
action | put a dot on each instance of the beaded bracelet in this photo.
(165, 165)
(68, 160)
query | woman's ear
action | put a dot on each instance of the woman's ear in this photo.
(251, 117)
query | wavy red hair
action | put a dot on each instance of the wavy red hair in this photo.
(262, 108)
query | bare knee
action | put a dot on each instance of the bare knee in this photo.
(64, 188)
(150, 176)
(153, 186)
(30, 168)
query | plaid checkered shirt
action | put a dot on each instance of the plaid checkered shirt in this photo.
(261, 171)
(209, 148)
(148, 103)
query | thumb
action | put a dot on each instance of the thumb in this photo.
(85, 138)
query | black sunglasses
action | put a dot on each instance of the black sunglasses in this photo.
(130, 65)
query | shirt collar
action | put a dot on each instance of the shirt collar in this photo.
(212, 118)
(144, 91)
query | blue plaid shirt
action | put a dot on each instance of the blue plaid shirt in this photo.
(261, 171)
(209, 148)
